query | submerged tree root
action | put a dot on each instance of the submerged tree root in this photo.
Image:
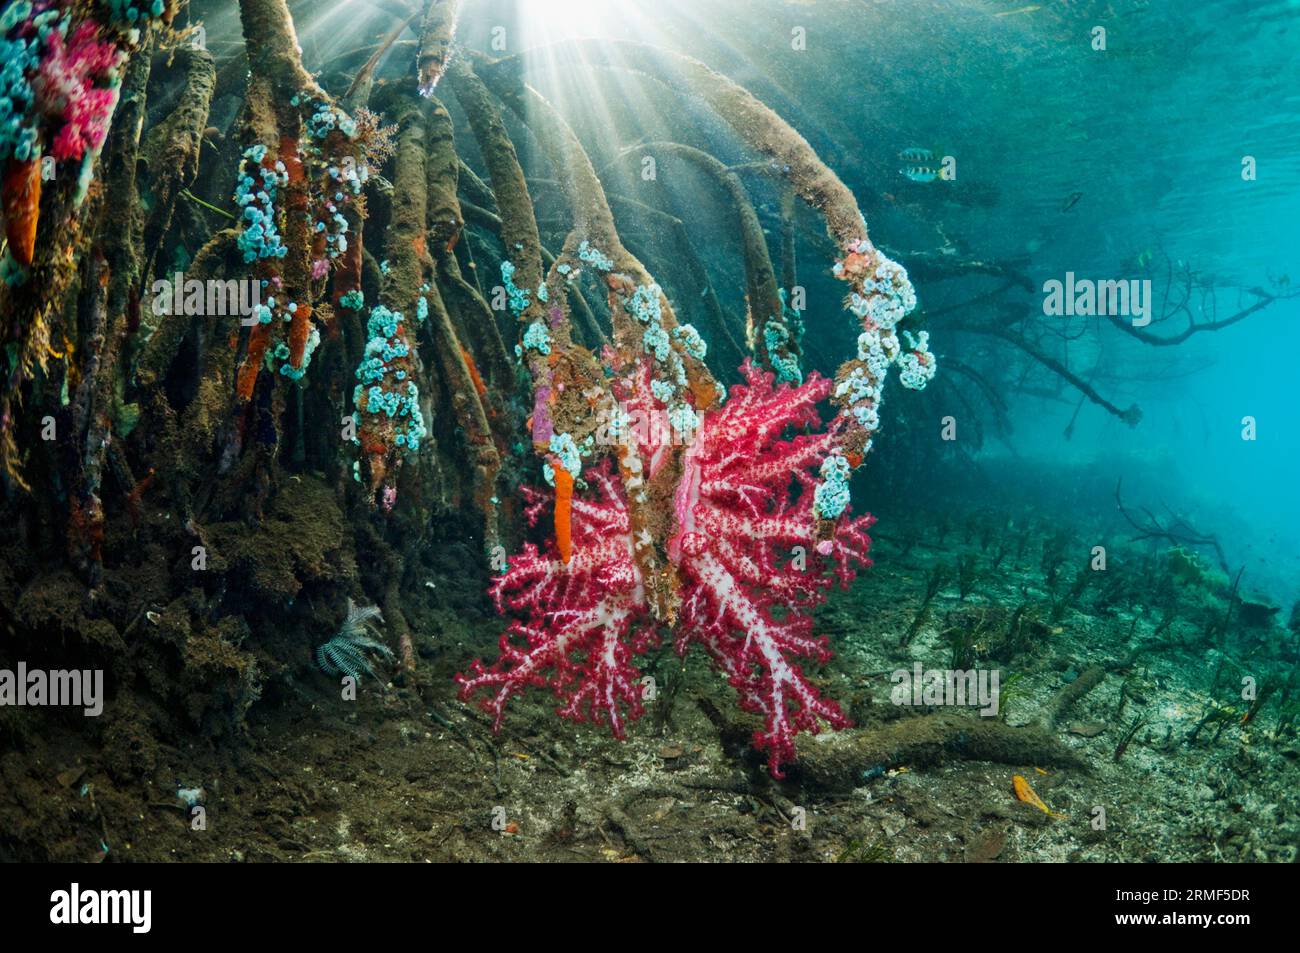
(842, 760)
(848, 759)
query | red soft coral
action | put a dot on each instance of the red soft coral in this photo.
(746, 546)
(578, 635)
(746, 557)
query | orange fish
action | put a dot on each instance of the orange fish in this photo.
(1026, 793)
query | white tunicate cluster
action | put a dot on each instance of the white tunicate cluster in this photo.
(656, 342)
(867, 416)
(916, 368)
(885, 298)
(831, 498)
(683, 420)
(857, 387)
(880, 300)
(877, 350)
(670, 381)
(690, 340)
(663, 391)
(538, 338)
(619, 427)
(594, 256)
(564, 448)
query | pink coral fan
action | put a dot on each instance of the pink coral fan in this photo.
(746, 556)
(77, 88)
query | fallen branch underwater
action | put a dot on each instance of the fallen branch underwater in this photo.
(851, 758)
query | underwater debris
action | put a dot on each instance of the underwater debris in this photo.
(1219, 715)
(846, 759)
(1070, 599)
(1256, 613)
(345, 654)
(968, 575)
(935, 580)
(1175, 530)
(1012, 689)
(1086, 729)
(862, 852)
(1061, 703)
(1128, 736)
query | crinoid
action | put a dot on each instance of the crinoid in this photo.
(345, 654)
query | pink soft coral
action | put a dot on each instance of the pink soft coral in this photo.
(77, 88)
(578, 636)
(738, 518)
(745, 545)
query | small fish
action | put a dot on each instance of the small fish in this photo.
(1026, 793)
(919, 173)
(1071, 201)
(1031, 8)
(919, 164)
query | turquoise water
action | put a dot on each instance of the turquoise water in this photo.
(1144, 142)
